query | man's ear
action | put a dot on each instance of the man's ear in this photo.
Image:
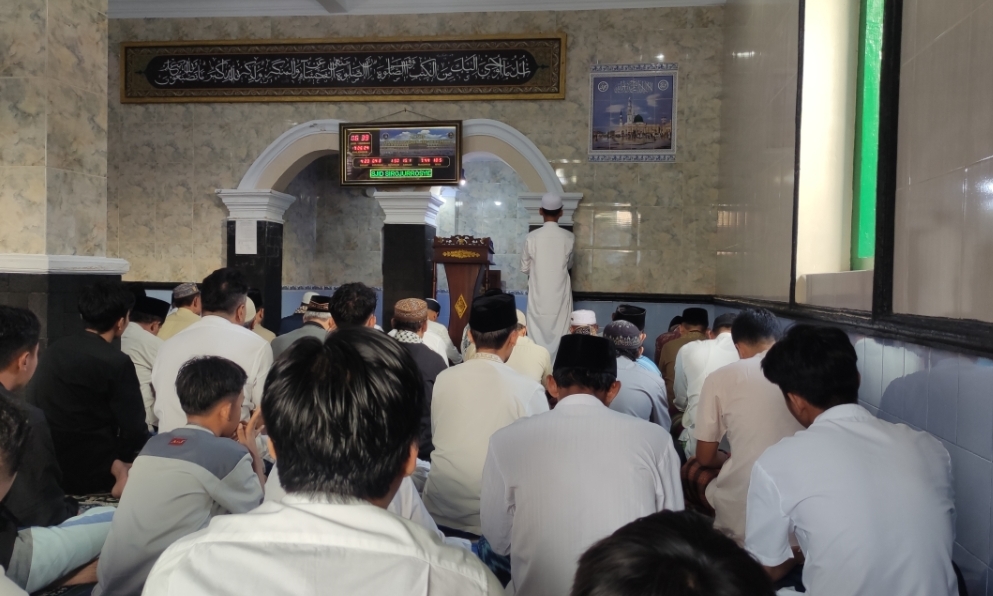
(615, 388)
(23, 361)
(552, 387)
(239, 315)
(411, 465)
(371, 322)
(224, 410)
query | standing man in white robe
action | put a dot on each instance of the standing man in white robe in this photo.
(546, 260)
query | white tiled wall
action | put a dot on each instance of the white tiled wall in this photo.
(944, 212)
(758, 129)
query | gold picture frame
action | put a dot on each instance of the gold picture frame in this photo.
(449, 68)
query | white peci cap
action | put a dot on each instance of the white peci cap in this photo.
(580, 318)
(306, 298)
(551, 202)
(249, 310)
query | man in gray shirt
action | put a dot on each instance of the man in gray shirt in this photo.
(642, 393)
(316, 323)
(183, 478)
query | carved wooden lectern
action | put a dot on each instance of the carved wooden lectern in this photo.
(466, 260)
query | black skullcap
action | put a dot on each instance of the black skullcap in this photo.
(676, 320)
(632, 314)
(624, 334)
(433, 305)
(725, 320)
(493, 313)
(696, 316)
(593, 353)
(319, 303)
(151, 306)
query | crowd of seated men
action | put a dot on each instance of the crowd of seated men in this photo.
(336, 458)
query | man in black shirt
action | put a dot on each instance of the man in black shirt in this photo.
(90, 394)
(36, 498)
(410, 320)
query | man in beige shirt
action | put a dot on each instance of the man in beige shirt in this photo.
(186, 301)
(738, 401)
(693, 328)
(528, 358)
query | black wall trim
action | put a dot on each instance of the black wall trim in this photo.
(889, 117)
(972, 337)
(796, 150)
(648, 298)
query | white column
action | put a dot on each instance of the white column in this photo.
(62, 264)
(419, 207)
(255, 205)
(532, 203)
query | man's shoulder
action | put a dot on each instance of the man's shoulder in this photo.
(217, 455)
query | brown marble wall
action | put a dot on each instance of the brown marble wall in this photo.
(640, 227)
(53, 127)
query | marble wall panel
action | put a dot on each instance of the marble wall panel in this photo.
(22, 201)
(23, 43)
(22, 121)
(757, 130)
(209, 136)
(76, 221)
(77, 130)
(77, 45)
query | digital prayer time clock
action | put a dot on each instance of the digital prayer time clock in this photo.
(401, 153)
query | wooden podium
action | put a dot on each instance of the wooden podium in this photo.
(467, 261)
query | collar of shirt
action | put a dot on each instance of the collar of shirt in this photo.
(304, 499)
(550, 223)
(487, 356)
(578, 399)
(843, 412)
(524, 340)
(197, 427)
(408, 337)
(724, 338)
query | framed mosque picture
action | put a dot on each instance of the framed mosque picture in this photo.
(633, 112)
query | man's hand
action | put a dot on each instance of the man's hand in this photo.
(248, 432)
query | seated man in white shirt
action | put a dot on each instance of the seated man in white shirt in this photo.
(871, 503)
(224, 295)
(554, 484)
(471, 401)
(141, 343)
(332, 533)
(440, 331)
(678, 550)
(642, 392)
(528, 358)
(694, 363)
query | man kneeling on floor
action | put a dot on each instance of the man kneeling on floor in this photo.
(185, 477)
(40, 541)
(332, 533)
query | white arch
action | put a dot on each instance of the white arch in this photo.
(297, 147)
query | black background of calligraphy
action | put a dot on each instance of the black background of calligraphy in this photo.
(378, 77)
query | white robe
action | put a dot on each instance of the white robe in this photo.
(546, 260)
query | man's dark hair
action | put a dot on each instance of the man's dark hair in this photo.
(817, 363)
(343, 414)
(755, 325)
(583, 377)
(255, 295)
(552, 212)
(669, 554)
(676, 320)
(19, 333)
(14, 434)
(725, 321)
(492, 340)
(204, 381)
(351, 304)
(223, 291)
(185, 302)
(104, 303)
(407, 325)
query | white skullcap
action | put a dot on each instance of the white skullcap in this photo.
(521, 319)
(579, 318)
(551, 202)
(306, 297)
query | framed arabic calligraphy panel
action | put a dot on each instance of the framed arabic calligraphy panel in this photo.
(443, 68)
(633, 112)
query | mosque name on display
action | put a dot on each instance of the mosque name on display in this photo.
(531, 67)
